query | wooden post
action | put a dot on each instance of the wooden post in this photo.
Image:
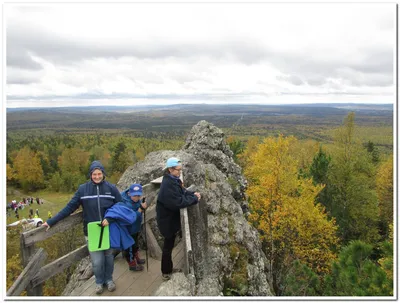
(26, 253)
(24, 279)
(189, 267)
(187, 245)
(57, 266)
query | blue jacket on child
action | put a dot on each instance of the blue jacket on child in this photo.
(126, 199)
(122, 217)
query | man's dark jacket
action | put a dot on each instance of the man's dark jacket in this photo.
(171, 198)
(94, 198)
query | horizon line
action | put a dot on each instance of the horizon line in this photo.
(181, 104)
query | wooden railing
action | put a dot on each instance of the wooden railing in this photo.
(35, 274)
(187, 242)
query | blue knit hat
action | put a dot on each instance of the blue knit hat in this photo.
(96, 165)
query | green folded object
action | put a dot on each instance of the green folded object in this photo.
(98, 236)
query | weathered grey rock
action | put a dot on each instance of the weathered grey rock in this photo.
(207, 143)
(82, 273)
(178, 285)
(209, 286)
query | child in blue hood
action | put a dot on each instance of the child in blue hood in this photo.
(132, 198)
(95, 197)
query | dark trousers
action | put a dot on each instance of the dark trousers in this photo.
(166, 260)
(131, 251)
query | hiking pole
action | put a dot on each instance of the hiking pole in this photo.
(145, 236)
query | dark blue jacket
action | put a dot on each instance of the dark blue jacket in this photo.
(95, 199)
(126, 199)
(122, 217)
(171, 198)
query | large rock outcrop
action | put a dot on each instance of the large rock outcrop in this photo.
(207, 143)
(228, 258)
(227, 250)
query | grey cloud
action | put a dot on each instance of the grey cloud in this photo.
(21, 76)
(22, 80)
(22, 38)
(315, 80)
(299, 68)
(376, 68)
(17, 57)
(379, 80)
(291, 79)
(376, 61)
(215, 96)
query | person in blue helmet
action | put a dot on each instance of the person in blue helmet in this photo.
(171, 198)
(132, 198)
(95, 197)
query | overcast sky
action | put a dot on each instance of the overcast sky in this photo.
(127, 54)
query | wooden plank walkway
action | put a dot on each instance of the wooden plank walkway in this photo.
(133, 283)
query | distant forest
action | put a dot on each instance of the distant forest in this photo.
(320, 179)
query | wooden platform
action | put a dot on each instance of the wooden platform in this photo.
(132, 283)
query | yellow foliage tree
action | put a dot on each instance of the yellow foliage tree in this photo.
(304, 151)
(73, 164)
(10, 173)
(73, 160)
(250, 149)
(140, 153)
(283, 208)
(28, 170)
(384, 189)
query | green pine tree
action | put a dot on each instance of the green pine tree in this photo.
(356, 274)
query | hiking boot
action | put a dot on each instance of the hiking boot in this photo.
(99, 289)
(166, 277)
(138, 260)
(111, 286)
(134, 266)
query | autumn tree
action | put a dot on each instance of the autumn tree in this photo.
(283, 208)
(384, 189)
(351, 187)
(73, 164)
(304, 151)
(28, 170)
(10, 173)
(250, 148)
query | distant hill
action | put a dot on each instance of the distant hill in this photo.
(180, 117)
(219, 107)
